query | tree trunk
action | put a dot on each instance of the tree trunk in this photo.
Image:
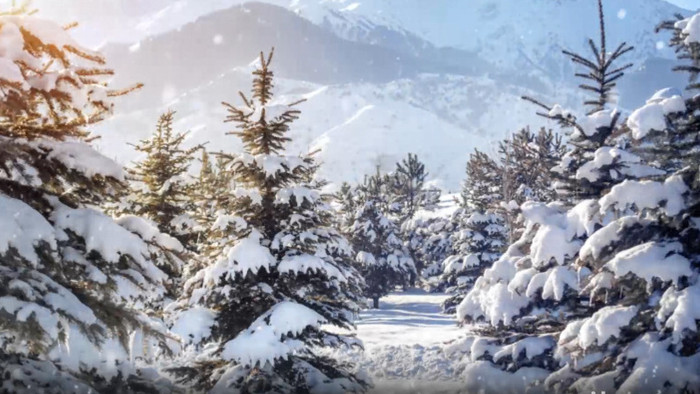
(375, 302)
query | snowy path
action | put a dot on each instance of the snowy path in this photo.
(409, 318)
(403, 344)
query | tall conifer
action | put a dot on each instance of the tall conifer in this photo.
(275, 271)
(78, 290)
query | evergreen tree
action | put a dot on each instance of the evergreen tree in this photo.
(491, 198)
(645, 262)
(275, 274)
(408, 192)
(481, 234)
(480, 242)
(408, 183)
(347, 200)
(160, 190)
(211, 193)
(526, 160)
(381, 256)
(597, 129)
(429, 242)
(76, 286)
(533, 289)
(483, 187)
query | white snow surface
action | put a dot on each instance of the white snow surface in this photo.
(306, 262)
(410, 346)
(415, 309)
(407, 343)
(149, 232)
(628, 165)
(681, 310)
(603, 325)
(403, 342)
(653, 361)
(194, 324)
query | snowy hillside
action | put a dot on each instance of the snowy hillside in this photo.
(531, 31)
(355, 127)
(381, 81)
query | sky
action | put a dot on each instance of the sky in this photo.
(131, 20)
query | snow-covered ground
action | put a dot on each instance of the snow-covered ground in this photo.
(404, 344)
(409, 318)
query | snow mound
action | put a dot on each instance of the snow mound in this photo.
(691, 28)
(681, 310)
(603, 325)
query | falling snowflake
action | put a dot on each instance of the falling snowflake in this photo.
(135, 47)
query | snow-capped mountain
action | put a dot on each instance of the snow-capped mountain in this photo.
(383, 78)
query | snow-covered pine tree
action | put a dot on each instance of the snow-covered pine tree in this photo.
(408, 181)
(429, 240)
(381, 256)
(642, 332)
(160, 190)
(481, 235)
(275, 272)
(210, 193)
(526, 160)
(408, 191)
(483, 186)
(76, 286)
(532, 291)
(346, 199)
(597, 129)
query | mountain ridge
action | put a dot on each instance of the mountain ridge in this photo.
(400, 76)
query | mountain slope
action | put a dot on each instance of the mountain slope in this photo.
(377, 91)
(355, 126)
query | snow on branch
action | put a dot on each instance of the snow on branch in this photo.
(303, 263)
(49, 84)
(652, 260)
(652, 116)
(667, 196)
(270, 337)
(247, 255)
(23, 229)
